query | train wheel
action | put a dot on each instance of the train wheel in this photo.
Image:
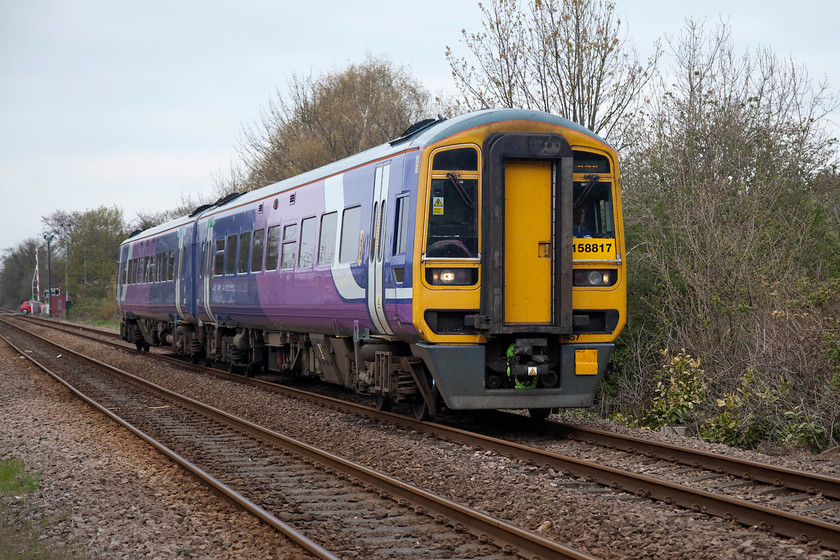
(139, 345)
(539, 413)
(383, 402)
(421, 409)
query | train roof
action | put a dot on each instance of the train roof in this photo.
(419, 136)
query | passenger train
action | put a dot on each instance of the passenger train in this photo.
(475, 262)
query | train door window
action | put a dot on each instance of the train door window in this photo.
(308, 233)
(351, 235)
(230, 255)
(129, 270)
(401, 225)
(374, 234)
(257, 250)
(147, 265)
(272, 251)
(244, 246)
(172, 265)
(156, 269)
(219, 258)
(326, 245)
(287, 252)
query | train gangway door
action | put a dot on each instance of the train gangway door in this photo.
(528, 241)
(376, 287)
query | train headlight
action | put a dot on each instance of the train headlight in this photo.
(452, 276)
(446, 276)
(583, 277)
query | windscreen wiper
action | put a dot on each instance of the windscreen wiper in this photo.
(461, 190)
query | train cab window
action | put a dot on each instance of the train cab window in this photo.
(326, 244)
(308, 232)
(257, 250)
(272, 251)
(244, 246)
(593, 209)
(464, 159)
(287, 253)
(230, 255)
(219, 258)
(351, 235)
(453, 205)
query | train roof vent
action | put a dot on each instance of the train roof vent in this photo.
(135, 232)
(415, 128)
(227, 198)
(200, 209)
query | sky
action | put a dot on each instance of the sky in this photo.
(140, 104)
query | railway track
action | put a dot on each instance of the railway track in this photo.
(790, 503)
(329, 505)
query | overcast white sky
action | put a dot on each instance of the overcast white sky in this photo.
(133, 104)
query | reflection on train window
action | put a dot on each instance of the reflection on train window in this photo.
(351, 227)
(272, 251)
(453, 218)
(308, 231)
(593, 209)
(287, 254)
(230, 255)
(219, 258)
(326, 245)
(244, 245)
(257, 251)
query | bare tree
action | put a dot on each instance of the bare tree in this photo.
(320, 120)
(730, 203)
(566, 57)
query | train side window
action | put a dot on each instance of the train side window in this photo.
(129, 270)
(230, 255)
(308, 232)
(351, 238)
(156, 269)
(272, 251)
(401, 226)
(219, 258)
(287, 252)
(326, 245)
(244, 245)
(257, 250)
(172, 265)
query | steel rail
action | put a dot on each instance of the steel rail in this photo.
(508, 537)
(746, 513)
(811, 483)
(227, 492)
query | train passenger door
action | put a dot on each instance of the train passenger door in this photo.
(376, 287)
(527, 234)
(528, 241)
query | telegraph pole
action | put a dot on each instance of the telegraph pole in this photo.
(48, 239)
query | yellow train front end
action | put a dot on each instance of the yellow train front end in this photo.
(519, 279)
